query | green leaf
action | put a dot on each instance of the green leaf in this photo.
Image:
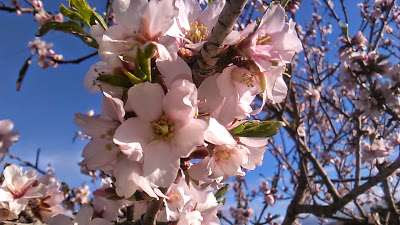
(68, 27)
(257, 129)
(81, 11)
(83, 8)
(116, 80)
(73, 15)
(97, 17)
(143, 61)
(22, 72)
(220, 194)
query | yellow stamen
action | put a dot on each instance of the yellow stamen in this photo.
(198, 32)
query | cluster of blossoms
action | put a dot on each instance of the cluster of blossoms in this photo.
(46, 55)
(372, 83)
(159, 137)
(25, 191)
(169, 139)
(42, 16)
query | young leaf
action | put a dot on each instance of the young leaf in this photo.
(220, 194)
(73, 15)
(68, 27)
(257, 129)
(81, 11)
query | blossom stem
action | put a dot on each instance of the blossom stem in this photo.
(211, 50)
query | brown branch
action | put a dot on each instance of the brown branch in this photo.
(320, 170)
(208, 57)
(390, 201)
(299, 196)
(26, 163)
(15, 10)
(77, 60)
(329, 210)
(152, 211)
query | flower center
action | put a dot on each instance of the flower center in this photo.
(198, 32)
(163, 128)
(222, 153)
(173, 197)
(244, 77)
(263, 40)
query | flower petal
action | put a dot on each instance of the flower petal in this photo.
(274, 20)
(129, 179)
(159, 165)
(95, 126)
(133, 135)
(99, 154)
(173, 70)
(188, 137)
(180, 103)
(113, 108)
(218, 134)
(146, 100)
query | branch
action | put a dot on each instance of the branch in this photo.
(213, 47)
(299, 196)
(26, 163)
(77, 60)
(15, 10)
(329, 210)
(152, 211)
(390, 201)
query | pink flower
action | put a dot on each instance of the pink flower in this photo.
(7, 136)
(100, 152)
(227, 158)
(51, 203)
(129, 179)
(165, 128)
(204, 201)
(138, 23)
(190, 218)
(178, 196)
(256, 147)
(196, 24)
(109, 209)
(228, 96)
(175, 69)
(84, 217)
(271, 46)
(19, 187)
(275, 41)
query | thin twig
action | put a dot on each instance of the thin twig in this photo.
(77, 60)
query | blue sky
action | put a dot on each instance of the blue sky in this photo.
(44, 109)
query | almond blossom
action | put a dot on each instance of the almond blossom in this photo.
(138, 23)
(229, 95)
(19, 187)
(194, 23)
(50, 204)
(165, 128)
(84, 217)
(273, 44)
(7, 136)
